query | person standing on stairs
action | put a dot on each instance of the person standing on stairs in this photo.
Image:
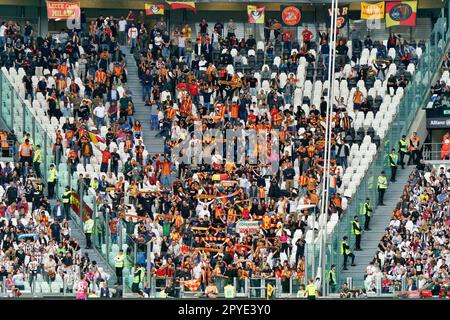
(367, 212)
(66, 201)
(345, 251)
(51, 181)
(382, 186)
(119, 260)
(88, 228)
(332, 278)
(356, 231)
(147, 82)
(402, 150)
(393, 164)
(154, 123)
(414, 142)
(132, 34)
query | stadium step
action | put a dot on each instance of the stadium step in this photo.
(378, 224)
(152, 144)
(93, 254)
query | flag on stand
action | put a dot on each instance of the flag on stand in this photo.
(256, 14)
(401, 13)
(190, 5)
(372, 10)
(151, 9)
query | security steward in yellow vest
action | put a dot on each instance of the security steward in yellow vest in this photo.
(119, 260)
(37, 159)
(382, 186)
(137, 278)
(402, 150)
(66, 201)
(356, 231)
(345, 251)
(367, 212)
(229, 291)
(88, 228)
(332, 278)
(393, 164)
(311, 290)
(51, 181)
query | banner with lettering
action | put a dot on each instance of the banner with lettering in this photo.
(290, 15)
(372, 10)
(256, 14)
(342, 13)
(63, 10)
(401, 13)
(247, 227)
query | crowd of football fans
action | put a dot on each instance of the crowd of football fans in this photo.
(414, 248)
(188, 212)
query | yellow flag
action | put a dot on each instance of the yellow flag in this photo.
(372, 10)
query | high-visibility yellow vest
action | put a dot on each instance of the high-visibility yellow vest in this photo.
(403, 146)
(120, 260)
(331, 277)
(382, 182)
(51, 175)
(367, 210)
(66, 196)
(311, 289)
(347, 251)
(354, 230)
(37, 156)
(94, 184)
(137, 276)
(88, 226)
(393, 157)
(229, 291)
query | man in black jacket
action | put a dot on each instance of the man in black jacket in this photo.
(104, 291)
(342, 152)
(11, 193)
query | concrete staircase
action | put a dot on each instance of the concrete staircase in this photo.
(152, 144)
(93, 254)
(379, 222)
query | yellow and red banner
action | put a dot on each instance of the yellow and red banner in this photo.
(401, 13)
(190, 5)
(75, 205)
(256, 14)
(152, 9)
(63, 10)
(372, 10)
(95, 138)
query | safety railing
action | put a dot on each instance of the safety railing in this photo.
(413, 99)
(8, 149)
(18, 115)
(435, 151)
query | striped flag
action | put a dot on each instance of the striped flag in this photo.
(190, 5)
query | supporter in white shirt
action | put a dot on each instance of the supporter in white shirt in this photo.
(158, 40)
(165, 95)
(202, 64)
(100, 113)
(204, 213)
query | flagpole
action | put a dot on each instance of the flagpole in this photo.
(327, 151)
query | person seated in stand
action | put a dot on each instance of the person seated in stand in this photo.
(402, 82)
(365, 106)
